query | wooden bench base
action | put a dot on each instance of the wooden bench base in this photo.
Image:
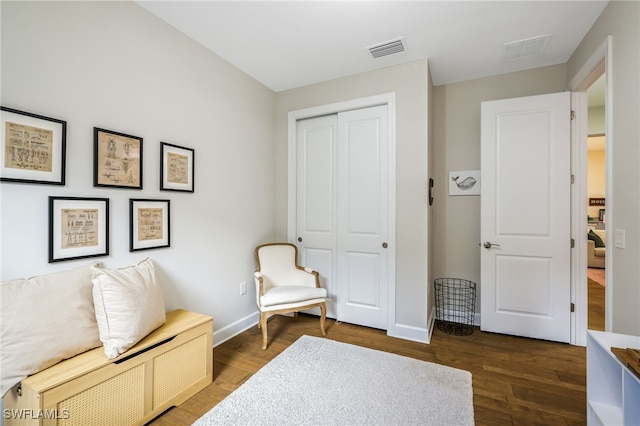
(165, 369)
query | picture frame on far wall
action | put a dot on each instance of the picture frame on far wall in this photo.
(465, 182)
(176, 168)
(78, 228)
(117, 161)
(32, 148)
(149, 224)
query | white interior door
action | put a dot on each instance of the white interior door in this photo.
(525, 215)
(342, 198)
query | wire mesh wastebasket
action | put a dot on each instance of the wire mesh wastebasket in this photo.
(455, 305)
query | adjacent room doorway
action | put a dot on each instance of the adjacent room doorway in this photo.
(597, 66)
(596, 205)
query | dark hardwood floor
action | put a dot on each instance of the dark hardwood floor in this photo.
(596, 305)
(516, 381)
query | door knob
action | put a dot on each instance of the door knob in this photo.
(299, 239)
(384, 245)
(488, 245)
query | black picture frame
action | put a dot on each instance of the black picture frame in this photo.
(37, 148)
(149, 224)
(117, 159)
(78, 228)
(176, 168)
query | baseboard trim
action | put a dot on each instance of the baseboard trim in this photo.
(233, 329)
(402, 331)
(413, 333)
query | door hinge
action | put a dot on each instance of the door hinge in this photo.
(573, 179)
(573, 243)
(573, 307)
(573, 114)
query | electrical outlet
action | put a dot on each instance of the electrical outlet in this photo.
(243, 288)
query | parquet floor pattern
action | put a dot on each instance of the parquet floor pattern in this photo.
(516, 381)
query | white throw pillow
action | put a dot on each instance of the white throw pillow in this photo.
(128, 304)
(43, 320)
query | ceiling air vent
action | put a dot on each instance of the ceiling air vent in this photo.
(528, 47)
(387, 48)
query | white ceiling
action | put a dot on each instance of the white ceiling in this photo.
(288, 44)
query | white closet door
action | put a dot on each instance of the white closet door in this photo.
(316, 196)
(362, 217)
(342, 210)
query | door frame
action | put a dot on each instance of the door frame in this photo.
(388, 99)
(599, 62)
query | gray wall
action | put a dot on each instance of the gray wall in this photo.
(621, 20)
(596, 120)
(456, 127)
(114, 65)
(456, 146)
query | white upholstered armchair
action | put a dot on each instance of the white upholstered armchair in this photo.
(282, 286)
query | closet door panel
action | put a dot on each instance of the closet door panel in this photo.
(362, 217)
(317, 199)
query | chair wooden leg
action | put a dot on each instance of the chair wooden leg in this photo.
(263, 326)
(323, 316)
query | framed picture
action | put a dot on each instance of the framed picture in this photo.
(596, 201)
(176, 168)
(78, 228)
(149, 224)
(464, 183)
(32, 148)
(117, 159)
(602, 215)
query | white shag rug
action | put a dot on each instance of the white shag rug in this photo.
(323, 382)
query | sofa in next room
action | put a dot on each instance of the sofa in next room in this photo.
(596, 249)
